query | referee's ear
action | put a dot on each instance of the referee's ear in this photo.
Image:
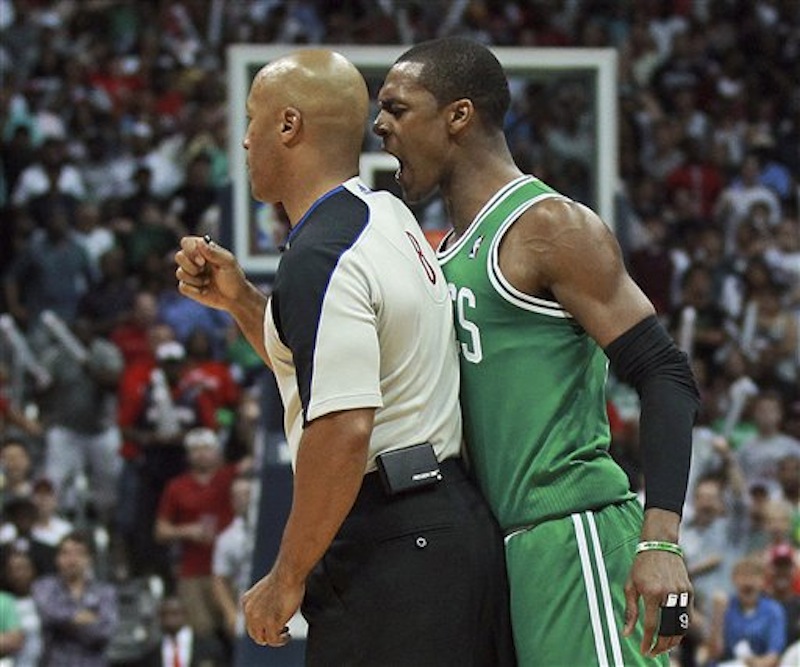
(291, 124)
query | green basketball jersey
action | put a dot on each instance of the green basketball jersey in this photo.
(532, 381)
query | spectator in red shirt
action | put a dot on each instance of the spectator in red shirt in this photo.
(132, 336)
(195, 507)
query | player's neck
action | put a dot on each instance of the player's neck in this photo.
(473, 183)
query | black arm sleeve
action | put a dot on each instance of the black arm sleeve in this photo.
(647, 358)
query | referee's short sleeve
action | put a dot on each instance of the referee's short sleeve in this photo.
(328, 320)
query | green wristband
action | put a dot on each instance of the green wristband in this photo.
(655, 545)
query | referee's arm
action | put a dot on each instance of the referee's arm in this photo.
(328, 475)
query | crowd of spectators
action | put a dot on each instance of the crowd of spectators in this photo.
(120, 399)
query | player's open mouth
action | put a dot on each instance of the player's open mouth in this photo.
(399, 173)
(399, 170)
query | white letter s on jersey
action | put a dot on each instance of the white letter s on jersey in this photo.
(464, 298)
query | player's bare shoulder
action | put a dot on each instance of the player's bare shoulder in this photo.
(552, 236)
(556, 220)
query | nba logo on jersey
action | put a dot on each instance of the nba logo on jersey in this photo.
(475, 247)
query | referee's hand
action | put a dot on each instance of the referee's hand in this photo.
(208, 273)
(268, 605)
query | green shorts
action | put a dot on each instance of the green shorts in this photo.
(567, 579)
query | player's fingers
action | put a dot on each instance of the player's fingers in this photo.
(662, 645)
(631, 608)
(650, 626)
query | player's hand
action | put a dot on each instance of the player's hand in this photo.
(208, 273)
(268, 605)
(654, 576)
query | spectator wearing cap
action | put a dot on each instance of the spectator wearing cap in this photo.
(784, 586)
(155, 418)
(194, 508)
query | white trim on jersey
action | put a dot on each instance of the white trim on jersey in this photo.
(500, 283)
(602, 635)
(509, 187)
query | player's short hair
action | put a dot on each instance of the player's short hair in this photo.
(454, 68)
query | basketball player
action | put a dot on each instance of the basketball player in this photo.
(358, 331)
(542, 302)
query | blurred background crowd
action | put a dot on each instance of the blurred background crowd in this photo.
(133, 419)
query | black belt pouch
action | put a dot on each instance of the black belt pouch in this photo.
(408, 469)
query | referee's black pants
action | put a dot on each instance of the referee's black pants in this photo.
(417, 580)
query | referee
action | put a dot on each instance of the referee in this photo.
(390, 549)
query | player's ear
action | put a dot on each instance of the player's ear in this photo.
(460, 114)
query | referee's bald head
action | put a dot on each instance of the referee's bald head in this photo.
(326, 88)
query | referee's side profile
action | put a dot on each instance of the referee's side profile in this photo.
(389, 547)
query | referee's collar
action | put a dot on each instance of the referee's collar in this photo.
(294, 231)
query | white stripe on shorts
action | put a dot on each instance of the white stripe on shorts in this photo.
(594, 600)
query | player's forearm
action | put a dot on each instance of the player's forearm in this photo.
(328, 475)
